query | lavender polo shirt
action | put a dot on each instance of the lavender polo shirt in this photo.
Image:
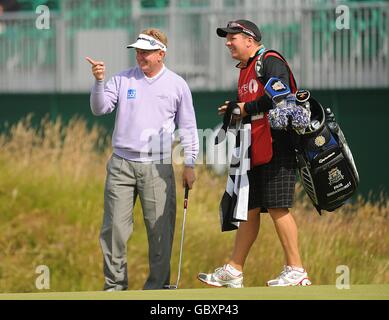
(148, 110)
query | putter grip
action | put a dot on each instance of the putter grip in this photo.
(186, 192)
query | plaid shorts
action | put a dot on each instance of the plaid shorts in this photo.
(272, 185)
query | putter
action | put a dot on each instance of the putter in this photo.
(175, 286)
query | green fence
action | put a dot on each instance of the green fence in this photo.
(362, 114)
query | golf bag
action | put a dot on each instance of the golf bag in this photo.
(325, 162)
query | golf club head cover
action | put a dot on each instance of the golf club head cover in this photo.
(276, 90)
(302, 96)
(289, 115)
(301, 118)
(330, 117)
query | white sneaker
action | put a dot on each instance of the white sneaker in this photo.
(290, 277)
(222, 277)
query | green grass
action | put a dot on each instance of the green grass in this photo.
(356, 292)
(51, 204)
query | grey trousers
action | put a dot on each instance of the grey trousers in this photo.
(155, 185)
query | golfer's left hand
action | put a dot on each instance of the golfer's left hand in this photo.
(222, 109)
(188, 177)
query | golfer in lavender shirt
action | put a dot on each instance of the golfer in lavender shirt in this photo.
(150, 101)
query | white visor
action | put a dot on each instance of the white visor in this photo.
(146, 42)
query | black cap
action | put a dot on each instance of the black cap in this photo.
(240, 26)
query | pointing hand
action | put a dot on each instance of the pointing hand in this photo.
(98, 68)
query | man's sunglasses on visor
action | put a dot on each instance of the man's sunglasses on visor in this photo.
(243, 29)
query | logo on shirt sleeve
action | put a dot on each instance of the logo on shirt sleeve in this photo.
(131, 94)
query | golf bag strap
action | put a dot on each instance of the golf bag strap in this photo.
(273, 53)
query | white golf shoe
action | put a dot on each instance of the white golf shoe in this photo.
(290, 276)
(222, 277)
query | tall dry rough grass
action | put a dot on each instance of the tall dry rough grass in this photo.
(51, 201)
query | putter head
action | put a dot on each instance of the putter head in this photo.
(170, 286)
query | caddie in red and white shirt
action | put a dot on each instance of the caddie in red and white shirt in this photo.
(272, 175)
